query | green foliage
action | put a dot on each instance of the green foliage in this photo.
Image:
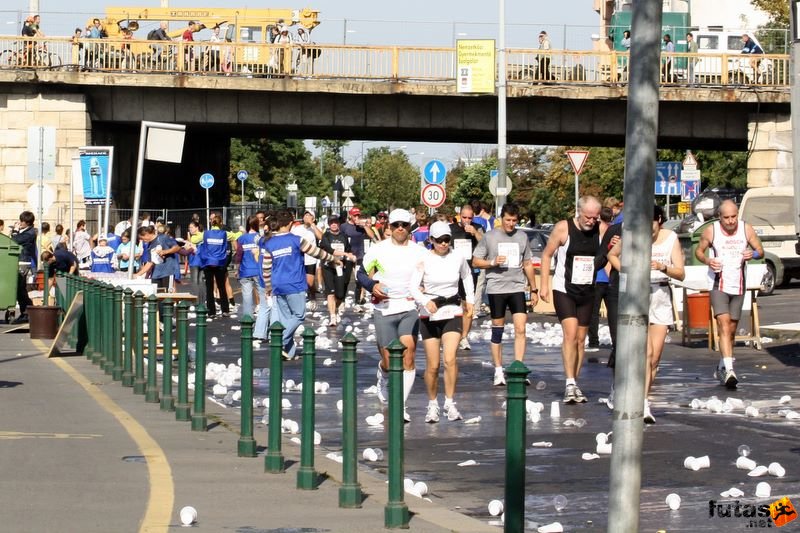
(390, 180)
(472, 182)
(778, 11)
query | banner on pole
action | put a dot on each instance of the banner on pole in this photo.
(95, 173)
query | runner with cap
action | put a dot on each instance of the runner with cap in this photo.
(386, 272)
(336, 278)
(466, 236)
(359, 230)
(435, 286)
(505, 253)
(309, 232)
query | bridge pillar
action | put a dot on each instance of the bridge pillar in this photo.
(769, 139)
(18, 111)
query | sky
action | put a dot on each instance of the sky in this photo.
(570, 24)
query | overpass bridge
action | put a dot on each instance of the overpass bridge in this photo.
(97, 91)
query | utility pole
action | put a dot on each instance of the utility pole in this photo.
(795, 79)
(641, 132)
(500, 197)
(33, 7)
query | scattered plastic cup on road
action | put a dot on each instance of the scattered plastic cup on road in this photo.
(745, 463)
(421, 488)
(758, 471)
(408, 484)
(743, 450)
(775, 469)
(601, 438)
(673, 501)
(751, 411)
(691, 463)
(370, 455)
(785, 399)
(763, 490)
(340, 405)
(703, 462)
(555, 527)
(604, 449)
(495, 507)
(188, 515)
(560, 502)
(586, 456)
(555, 410)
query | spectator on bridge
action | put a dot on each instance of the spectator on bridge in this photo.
(751, 47)
(626, 40)
(2, 227)
(81, 246)
(544, 59)
(666, 69)
(94, 49)
(691, 47)
(188, 37)
(24, 234)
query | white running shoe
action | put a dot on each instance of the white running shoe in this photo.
(406, 416)
(610, 402)
(451, 412)
(311, 305)
(648, 416)
(499, 378)
(383, 394)
(464, 344)
(432, 416)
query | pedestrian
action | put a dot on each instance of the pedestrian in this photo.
(336, 278)
(285, 270)
(466, 235)
(59, 261)
(44, 241)
(420, 231)
(732, 243)
(214, 257)
(544, 58)
(505, 254)
(666, 68)
(160, 262)
(124, 252)
(361, 233)
(309, 232)
(24, 234)
(386, 273)
(691, 47)
(102, 255)
(59, 241)
(251, 277)
(81, 246)
(600, 288)
(666, 263)
(435, 285)
(576, 244)
(194, 243)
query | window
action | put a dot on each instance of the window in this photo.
(770, 211)
(735, 42)
(708, 42)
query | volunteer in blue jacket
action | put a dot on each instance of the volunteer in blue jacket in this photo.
(195, 243)
(102, 255)
(214, 255)
(285, 275)
(248, 257)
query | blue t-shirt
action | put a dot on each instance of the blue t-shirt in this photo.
(250, 267)
(288, 270)
(170, 266)
(114, 241)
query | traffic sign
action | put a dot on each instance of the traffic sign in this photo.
(577, 158)
(690, 185)
(690, 163)
(684, 208)
(494, 189)
(668, 178)
(348, 181)
(242, 175)
(207, 181)
(433, 196)
(435, 172)
(348, 203)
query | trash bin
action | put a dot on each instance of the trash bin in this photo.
(9, 266)
(43, 321)
(698, 307)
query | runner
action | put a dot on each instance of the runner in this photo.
(391, 263)
(733, 243)
(506, 255)
(666, 263)
(435, 286)
(466, 235)
(336, 278)
(577, 243)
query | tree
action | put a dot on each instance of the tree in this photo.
(390, 180)
(773, 35)
(472, 182)
(778, 11)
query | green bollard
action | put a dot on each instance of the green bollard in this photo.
(108, 328)
(116, 344)
(396, 511)
(306, 475)
(199, 422)
(139, 383)
(273, 461)
(183, 412)
(151, 389)
(516, 374)
(128, 336)
(350, 495)
(247, 444)
(167, 399)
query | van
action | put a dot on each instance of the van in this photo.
(770, 210)
(741, 68)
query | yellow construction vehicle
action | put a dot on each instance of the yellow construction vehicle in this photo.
(241, 27)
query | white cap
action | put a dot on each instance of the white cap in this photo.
(102, 237)
(400, 215)
(439, 229)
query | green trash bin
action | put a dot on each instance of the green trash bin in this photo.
(9, 267)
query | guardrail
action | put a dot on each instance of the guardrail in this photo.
(377, 63)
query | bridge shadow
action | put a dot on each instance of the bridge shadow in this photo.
(19, 358)
(788, 354)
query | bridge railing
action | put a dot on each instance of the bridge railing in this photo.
(376, 63)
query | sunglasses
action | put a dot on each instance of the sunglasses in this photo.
(467, 218)
(396, 225)
(442, 240)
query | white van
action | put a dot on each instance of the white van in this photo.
(711, 43)
(770, 210)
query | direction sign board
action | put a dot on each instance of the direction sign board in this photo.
(690, 185)
(434, 172)
(433, 196)
(206, 181)
(577, 158)
(668, 178)
(498, 191)
(242, 175)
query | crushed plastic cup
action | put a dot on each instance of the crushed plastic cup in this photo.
(763, 490)
(469, 462)
(188, 515)
(555, 410)
(745, 463)
(237, 395)
(751, 411)
(792, 415)
(495, 507)
(604, 449)
(328, 362)
(775, 469)
(560, 502)
(541, 385)
(286, 404)
(534, 416)
(785, 399)
(379, 418)
(586, 456)
(673, 501)
(340, 405)
(421, 488)
(758, 471)
(473, 420)
(732, 492)
(542, 444)
(554, 527)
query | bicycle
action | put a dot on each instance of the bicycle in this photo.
(41, 58)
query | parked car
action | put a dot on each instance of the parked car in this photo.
(537, 237)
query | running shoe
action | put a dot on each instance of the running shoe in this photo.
(730, 380)
(610, 402)
(464, 344)
(569, 394)
(406, 416)
(451, 412)
(432, 416)
(648, 416)
(383, 394)
(592, 348)
(579, 396)
(499, 379)
(311, 305)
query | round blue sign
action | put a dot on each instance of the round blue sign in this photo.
(242, 175)
(206, 181)
(435, 172)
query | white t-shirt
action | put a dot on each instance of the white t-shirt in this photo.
(82, 247)
(308, 235)
(394, 265)
(438, 275)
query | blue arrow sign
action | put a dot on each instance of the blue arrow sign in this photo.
(668, 178)
(206, 181)
(242, 175)
(435, 172)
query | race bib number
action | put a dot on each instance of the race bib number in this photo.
(446, 313)
(511, 251)
(464, 247)
(582, 270)
(337, 246)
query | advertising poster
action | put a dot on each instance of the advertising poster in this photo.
(95, 174)
(475, 66)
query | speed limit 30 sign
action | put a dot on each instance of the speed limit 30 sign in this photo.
(433, 196)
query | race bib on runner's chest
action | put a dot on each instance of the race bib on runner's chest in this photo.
(582, 270)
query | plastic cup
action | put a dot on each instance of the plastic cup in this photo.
(555, 410)
(324, 387)
(188, 515)
(555, 527)
(495, 507)
(408, 484)
(703, 462)
(340, 405)
(370, 455)
(601, 438)
(317, 438)
(775, 469)
(758, 471)
(604, 449)
(751, 411)
(378, 452)
(785, 399)
(690, 463)
(421, 488)
(745, 463)
(286, 404)
(763, 490)
(674, 501)
(379, 418)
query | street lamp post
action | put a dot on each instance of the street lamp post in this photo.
(260, 193)
(795, 100)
